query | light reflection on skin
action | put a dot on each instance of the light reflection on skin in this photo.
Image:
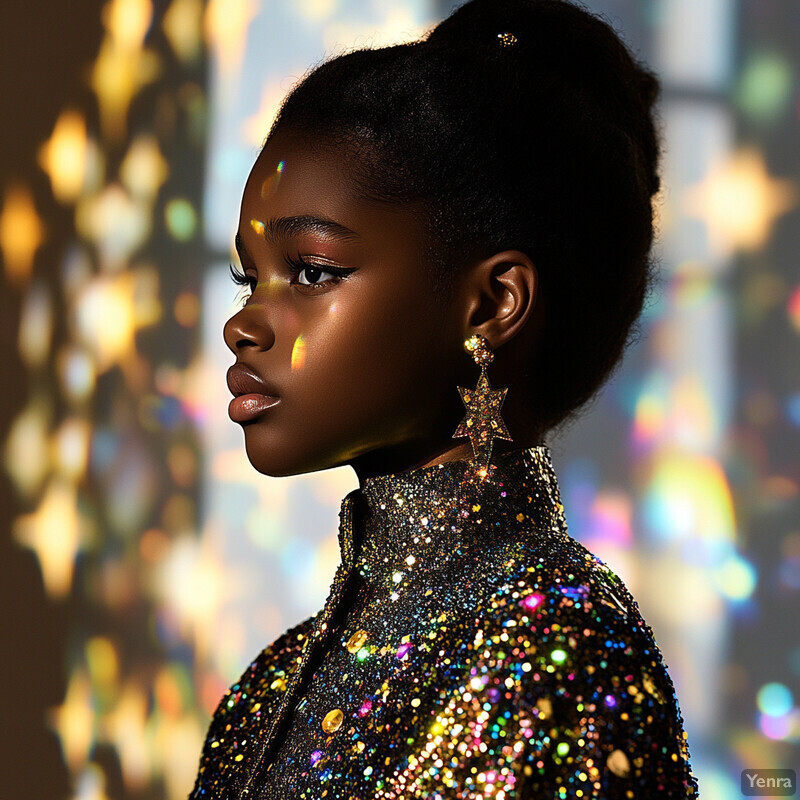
(271, 183)
(298, 353)
(273, 285)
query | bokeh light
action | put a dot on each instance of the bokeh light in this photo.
(21, 233)
(793, 308)
(181, 219)
(65, 156)
(765, 85)
(739, 201)
(774, 699)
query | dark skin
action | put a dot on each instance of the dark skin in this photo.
(372, 380)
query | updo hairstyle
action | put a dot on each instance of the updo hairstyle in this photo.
(516, 124)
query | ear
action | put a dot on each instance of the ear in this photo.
(502, 293)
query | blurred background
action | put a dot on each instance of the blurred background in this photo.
(143, 563)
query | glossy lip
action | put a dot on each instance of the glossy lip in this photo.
(252, 397)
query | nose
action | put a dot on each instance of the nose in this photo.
(248, 330)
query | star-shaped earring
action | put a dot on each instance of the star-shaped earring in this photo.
(482, 423)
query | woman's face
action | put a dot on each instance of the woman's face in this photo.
(343, 353)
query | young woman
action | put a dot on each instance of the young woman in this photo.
(490, 185)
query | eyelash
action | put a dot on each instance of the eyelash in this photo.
(296, 266)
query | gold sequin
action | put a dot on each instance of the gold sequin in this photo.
(618, 763)
(545, 708)
(357, 641)
(333, 721)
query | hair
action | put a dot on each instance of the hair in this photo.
(544, 143)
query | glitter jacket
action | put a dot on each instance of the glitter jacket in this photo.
(469, 648)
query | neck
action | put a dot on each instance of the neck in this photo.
(412, 456)
(450, 508)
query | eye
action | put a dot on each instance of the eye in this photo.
(312, 276)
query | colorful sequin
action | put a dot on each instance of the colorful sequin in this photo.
(469, 649)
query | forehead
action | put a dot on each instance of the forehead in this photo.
(295, 177)
(289, 171)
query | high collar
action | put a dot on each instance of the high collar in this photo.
(436, 511)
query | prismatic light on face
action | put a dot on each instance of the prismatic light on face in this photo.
(270, 184)
(298, 353)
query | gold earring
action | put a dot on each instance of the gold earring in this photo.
(482, 423)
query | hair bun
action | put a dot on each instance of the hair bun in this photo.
(486, 22)
(555, 42)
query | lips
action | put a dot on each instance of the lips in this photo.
(251, 398)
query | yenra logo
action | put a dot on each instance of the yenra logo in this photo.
(769, 782)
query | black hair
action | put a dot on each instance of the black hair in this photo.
(516, 124)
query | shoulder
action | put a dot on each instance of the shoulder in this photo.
(273, 662)
(565, 637)
(573, 617)
(253, 698)
(561, 577)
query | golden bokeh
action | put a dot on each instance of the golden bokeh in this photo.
(226, 24)
(123, 67)
(74, 721)
(21, 233)
(64, 157)
(144, 169)
(111, 310)
(54, 531)
(739, 201)
(183, 27)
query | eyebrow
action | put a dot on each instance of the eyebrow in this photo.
(286, 227)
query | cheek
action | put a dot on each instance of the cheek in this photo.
(377, 351)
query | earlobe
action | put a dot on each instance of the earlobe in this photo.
(503, 296)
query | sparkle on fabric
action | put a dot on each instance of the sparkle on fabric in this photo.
(333, 721)
(357, 641)
(506, 663)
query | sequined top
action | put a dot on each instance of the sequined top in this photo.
(469, 648)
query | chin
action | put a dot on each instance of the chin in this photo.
(275, 464)
(277, 459)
